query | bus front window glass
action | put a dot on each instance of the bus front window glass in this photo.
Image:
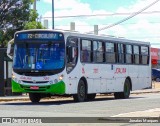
(39, 56)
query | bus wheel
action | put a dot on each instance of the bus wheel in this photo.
(126, 91)
(81, 92)
(91, 96)
(35, 97)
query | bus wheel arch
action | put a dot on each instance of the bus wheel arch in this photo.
(130, 82)
(81, 94)
(126, 90)
(86, 84)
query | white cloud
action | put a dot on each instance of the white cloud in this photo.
(66, 4)
(141, 29)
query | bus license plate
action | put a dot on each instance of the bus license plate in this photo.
(34, 87)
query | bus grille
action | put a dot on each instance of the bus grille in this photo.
(35, 82)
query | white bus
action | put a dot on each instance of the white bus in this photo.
(54, 62)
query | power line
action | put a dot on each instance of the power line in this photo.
(127, 18)
(94, 15)
(110, 23)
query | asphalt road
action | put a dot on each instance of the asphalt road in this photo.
(102, 107)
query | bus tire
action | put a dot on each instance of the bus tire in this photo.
(91, 96)
(81, 92)
(126, 91)
(35, 97)
(117, 95)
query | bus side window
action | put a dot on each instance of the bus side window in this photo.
(110, 52)
(121, 53)
(136, 54)
(144, 55)
(128, 54)
(86, 51)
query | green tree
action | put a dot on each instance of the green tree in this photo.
(13, 15)
(16, 15)
(32, 23)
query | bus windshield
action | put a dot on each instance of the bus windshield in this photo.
(39, 56)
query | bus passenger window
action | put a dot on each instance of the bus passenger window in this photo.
(121, 58)
(98, 52)
(136, 54)
(86, 51)
(110, 52)
(129, 54)
(144, 55)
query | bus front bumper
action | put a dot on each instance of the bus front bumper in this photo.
(58, 88)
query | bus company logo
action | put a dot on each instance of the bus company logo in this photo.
(25, 78)
(45, 78)
(83, 71)
(95, 70)
(120, 70)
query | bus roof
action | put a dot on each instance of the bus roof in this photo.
(91, 36)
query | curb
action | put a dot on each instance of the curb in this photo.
(144, 92)
(13, 99)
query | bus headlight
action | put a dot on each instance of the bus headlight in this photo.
(61, 77)
(13, 77)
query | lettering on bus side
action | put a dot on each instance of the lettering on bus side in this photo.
(120, 71)
(95, 70)
(83, 71)
(46, 78)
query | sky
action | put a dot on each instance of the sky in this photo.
(143, 27)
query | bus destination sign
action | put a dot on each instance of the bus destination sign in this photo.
(39, 35)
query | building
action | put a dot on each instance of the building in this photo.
(155, 57)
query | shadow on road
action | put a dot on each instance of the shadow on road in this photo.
(63, 101)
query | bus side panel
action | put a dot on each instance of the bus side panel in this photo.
(72, 80)
(134, 74)
(144, 77)
(120, 75)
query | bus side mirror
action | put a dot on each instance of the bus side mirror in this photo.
(11, 51)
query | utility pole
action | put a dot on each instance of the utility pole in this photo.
(96, 29)
(52, 14)
(34, 5)
(72, 26)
